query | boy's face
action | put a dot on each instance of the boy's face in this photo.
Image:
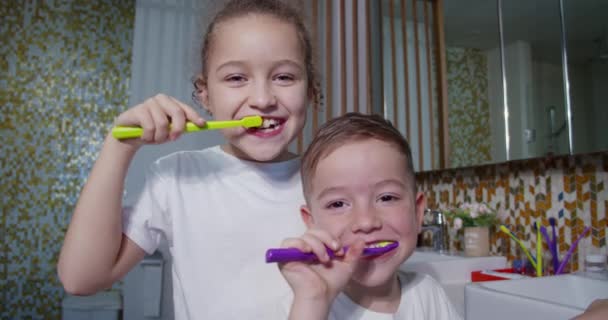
(362, 191)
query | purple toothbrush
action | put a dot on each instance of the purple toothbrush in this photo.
(562, 265)
(553, 248)
(555, 258)
(293, 254)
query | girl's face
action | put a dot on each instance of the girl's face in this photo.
(256, 67)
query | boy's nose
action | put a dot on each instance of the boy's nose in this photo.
(366, 221)
(261, 96)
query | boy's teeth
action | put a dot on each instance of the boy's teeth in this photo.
(378, 244)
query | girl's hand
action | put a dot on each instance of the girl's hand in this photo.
(321, 281)
(163, 118)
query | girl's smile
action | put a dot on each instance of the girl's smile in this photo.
(271, 126)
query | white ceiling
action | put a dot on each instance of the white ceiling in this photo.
(474, 24)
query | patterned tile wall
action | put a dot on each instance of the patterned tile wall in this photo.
(64, 75)
(572, 189)
(469, 107)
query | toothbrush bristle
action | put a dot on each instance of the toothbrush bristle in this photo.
(380, 247)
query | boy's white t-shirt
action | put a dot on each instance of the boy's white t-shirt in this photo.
(219, 214)
(421, 298)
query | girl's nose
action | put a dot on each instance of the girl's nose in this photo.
(366, 220)
(261, 96)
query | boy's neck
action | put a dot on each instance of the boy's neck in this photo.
(384, 298)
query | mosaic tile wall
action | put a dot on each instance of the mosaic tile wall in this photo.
(65, 68)
(469, 107)
(572, 189)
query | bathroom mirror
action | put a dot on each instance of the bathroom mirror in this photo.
(518, 47)
(466, 127)
(539, 36)
(587, 48)
(474, 83)
(534, 73)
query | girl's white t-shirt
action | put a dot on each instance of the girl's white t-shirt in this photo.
(219, 214)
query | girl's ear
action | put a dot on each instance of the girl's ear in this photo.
(201, 92)
(309, 221)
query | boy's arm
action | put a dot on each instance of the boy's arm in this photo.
(95, 252)
(303, 309)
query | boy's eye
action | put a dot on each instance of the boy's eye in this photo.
(336, 205)
(388, 197)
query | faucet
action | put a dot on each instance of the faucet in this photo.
(434, 223)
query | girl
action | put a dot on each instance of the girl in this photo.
(218, 208)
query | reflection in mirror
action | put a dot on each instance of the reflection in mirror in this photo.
(587, 46)
(474, 83)
(535, 82)
(455, 126)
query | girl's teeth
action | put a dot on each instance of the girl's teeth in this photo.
(268, 122)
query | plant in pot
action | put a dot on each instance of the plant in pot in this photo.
(475, 219)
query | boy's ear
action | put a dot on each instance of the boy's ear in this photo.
(309, 221)
(420, 205)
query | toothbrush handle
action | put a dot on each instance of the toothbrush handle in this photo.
(121, 132)
(292, 254)
(124, 132)
(562, 265)
(554, 248)
(223, 124)
(555, 258)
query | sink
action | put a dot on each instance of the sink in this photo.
(554, 297)
(451, 270)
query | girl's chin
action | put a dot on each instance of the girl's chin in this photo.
(258, 153)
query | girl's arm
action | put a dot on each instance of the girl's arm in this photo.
(95, 252)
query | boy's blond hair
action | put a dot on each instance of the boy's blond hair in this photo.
(349, 128)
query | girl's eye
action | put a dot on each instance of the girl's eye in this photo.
(336, 205)
(235, 78)
(284, 78)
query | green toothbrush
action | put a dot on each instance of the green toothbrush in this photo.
(120, 132)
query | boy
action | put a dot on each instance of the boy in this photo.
(359, 186)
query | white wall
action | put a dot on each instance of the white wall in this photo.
(165, 58)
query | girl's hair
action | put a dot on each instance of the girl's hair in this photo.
(349, 128)
(275, 8)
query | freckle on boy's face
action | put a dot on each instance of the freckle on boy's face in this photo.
(362, 191)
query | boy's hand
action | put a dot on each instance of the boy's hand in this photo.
(320, 282)
(154, 116)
